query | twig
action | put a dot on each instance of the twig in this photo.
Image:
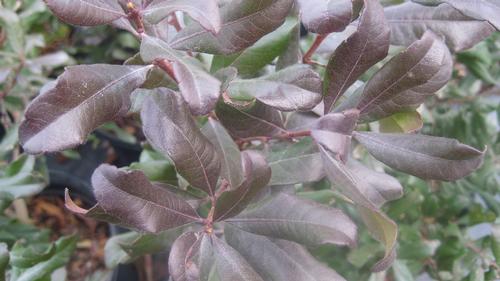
(317, 42)
(135, 15)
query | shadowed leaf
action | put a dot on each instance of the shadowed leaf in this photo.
(86, 12)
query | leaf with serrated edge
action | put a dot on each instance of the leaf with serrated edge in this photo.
(278, 260)
(409, 21)
(325, 16)
(407, 79)
(243, 23)
(423, 156)
(86, 12)
(131, 197)
(288, 217)
(205, 12)
(257, 175)
(229, 152)
(83, 98)
(170, 128)
(199, 89)
(367, 46)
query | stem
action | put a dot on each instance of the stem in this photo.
(283, 136)
(174, 21)
(135, 15)
(166, 66)
(317, 42)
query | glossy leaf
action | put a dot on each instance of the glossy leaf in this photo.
(205, 12)
(257, 175)
(278, 260)
(200, 90)
(229, 153)
(367, 46)
(256, 119)
(243, 23)
(170, 128)
(409, 21)
(137, 202)
(86, 12)
(83, 98)
(423, 156)
(285, 216)
(325, 16)
(407, 79)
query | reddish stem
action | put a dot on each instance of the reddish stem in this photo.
(166, 66)
(315, 45)
(135, 15)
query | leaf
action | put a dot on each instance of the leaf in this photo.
(336, 143)
(83, 98)
(4, 260)
(19, 179)
(402, 122)
(10, 22)
(257, 175)
(243, 23)
(479, 9)
(342, 122)
(199, 89)
(170, 128)
(228, 151)
(325, 16)
(86, 12)
(291, 163)
(292, 54)
(181, 262)
(205, 12)
(64, 249)
(260, 54)
(278, 260)
(368, 195)
(300, 75)
(285, 216)
(282, 96)
(409, 21)
(136, 202)
(256, 119)
(230, 264)
(407, 79)
(423, 156)
(367, 46)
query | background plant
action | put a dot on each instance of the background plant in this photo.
(252, 110)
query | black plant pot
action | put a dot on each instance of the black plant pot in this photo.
(75, 175)
(126, 153)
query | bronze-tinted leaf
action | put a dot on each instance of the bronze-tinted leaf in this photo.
(83, 98)
(86, 12)
(407, 79)
(367, 46)
(205, 12)
(278, 260)
(200, 90)
(257, 175)
(135, 201)
(288, 217)
(409, 21)
(325, 16)
(170, 128)
(423, 156)
(243, 23)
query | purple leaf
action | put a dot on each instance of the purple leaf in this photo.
(170, 128)
(243, 23)
(83, 98)
(183, 262)
(367, 46)
(86, 12)
(285, 216)
(423, 156)
(200, 90)
(407, 79)
(325, 16)
(257, 175)
(205, 12)
(136, 202)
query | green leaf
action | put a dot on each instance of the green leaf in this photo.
(24, 255)
(4, 260)
(402, 122)
(19, 178)
(10, 22)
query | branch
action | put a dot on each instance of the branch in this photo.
(315, 45)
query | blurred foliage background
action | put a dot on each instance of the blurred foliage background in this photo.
(447, 231)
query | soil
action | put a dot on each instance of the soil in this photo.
(49, 212)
